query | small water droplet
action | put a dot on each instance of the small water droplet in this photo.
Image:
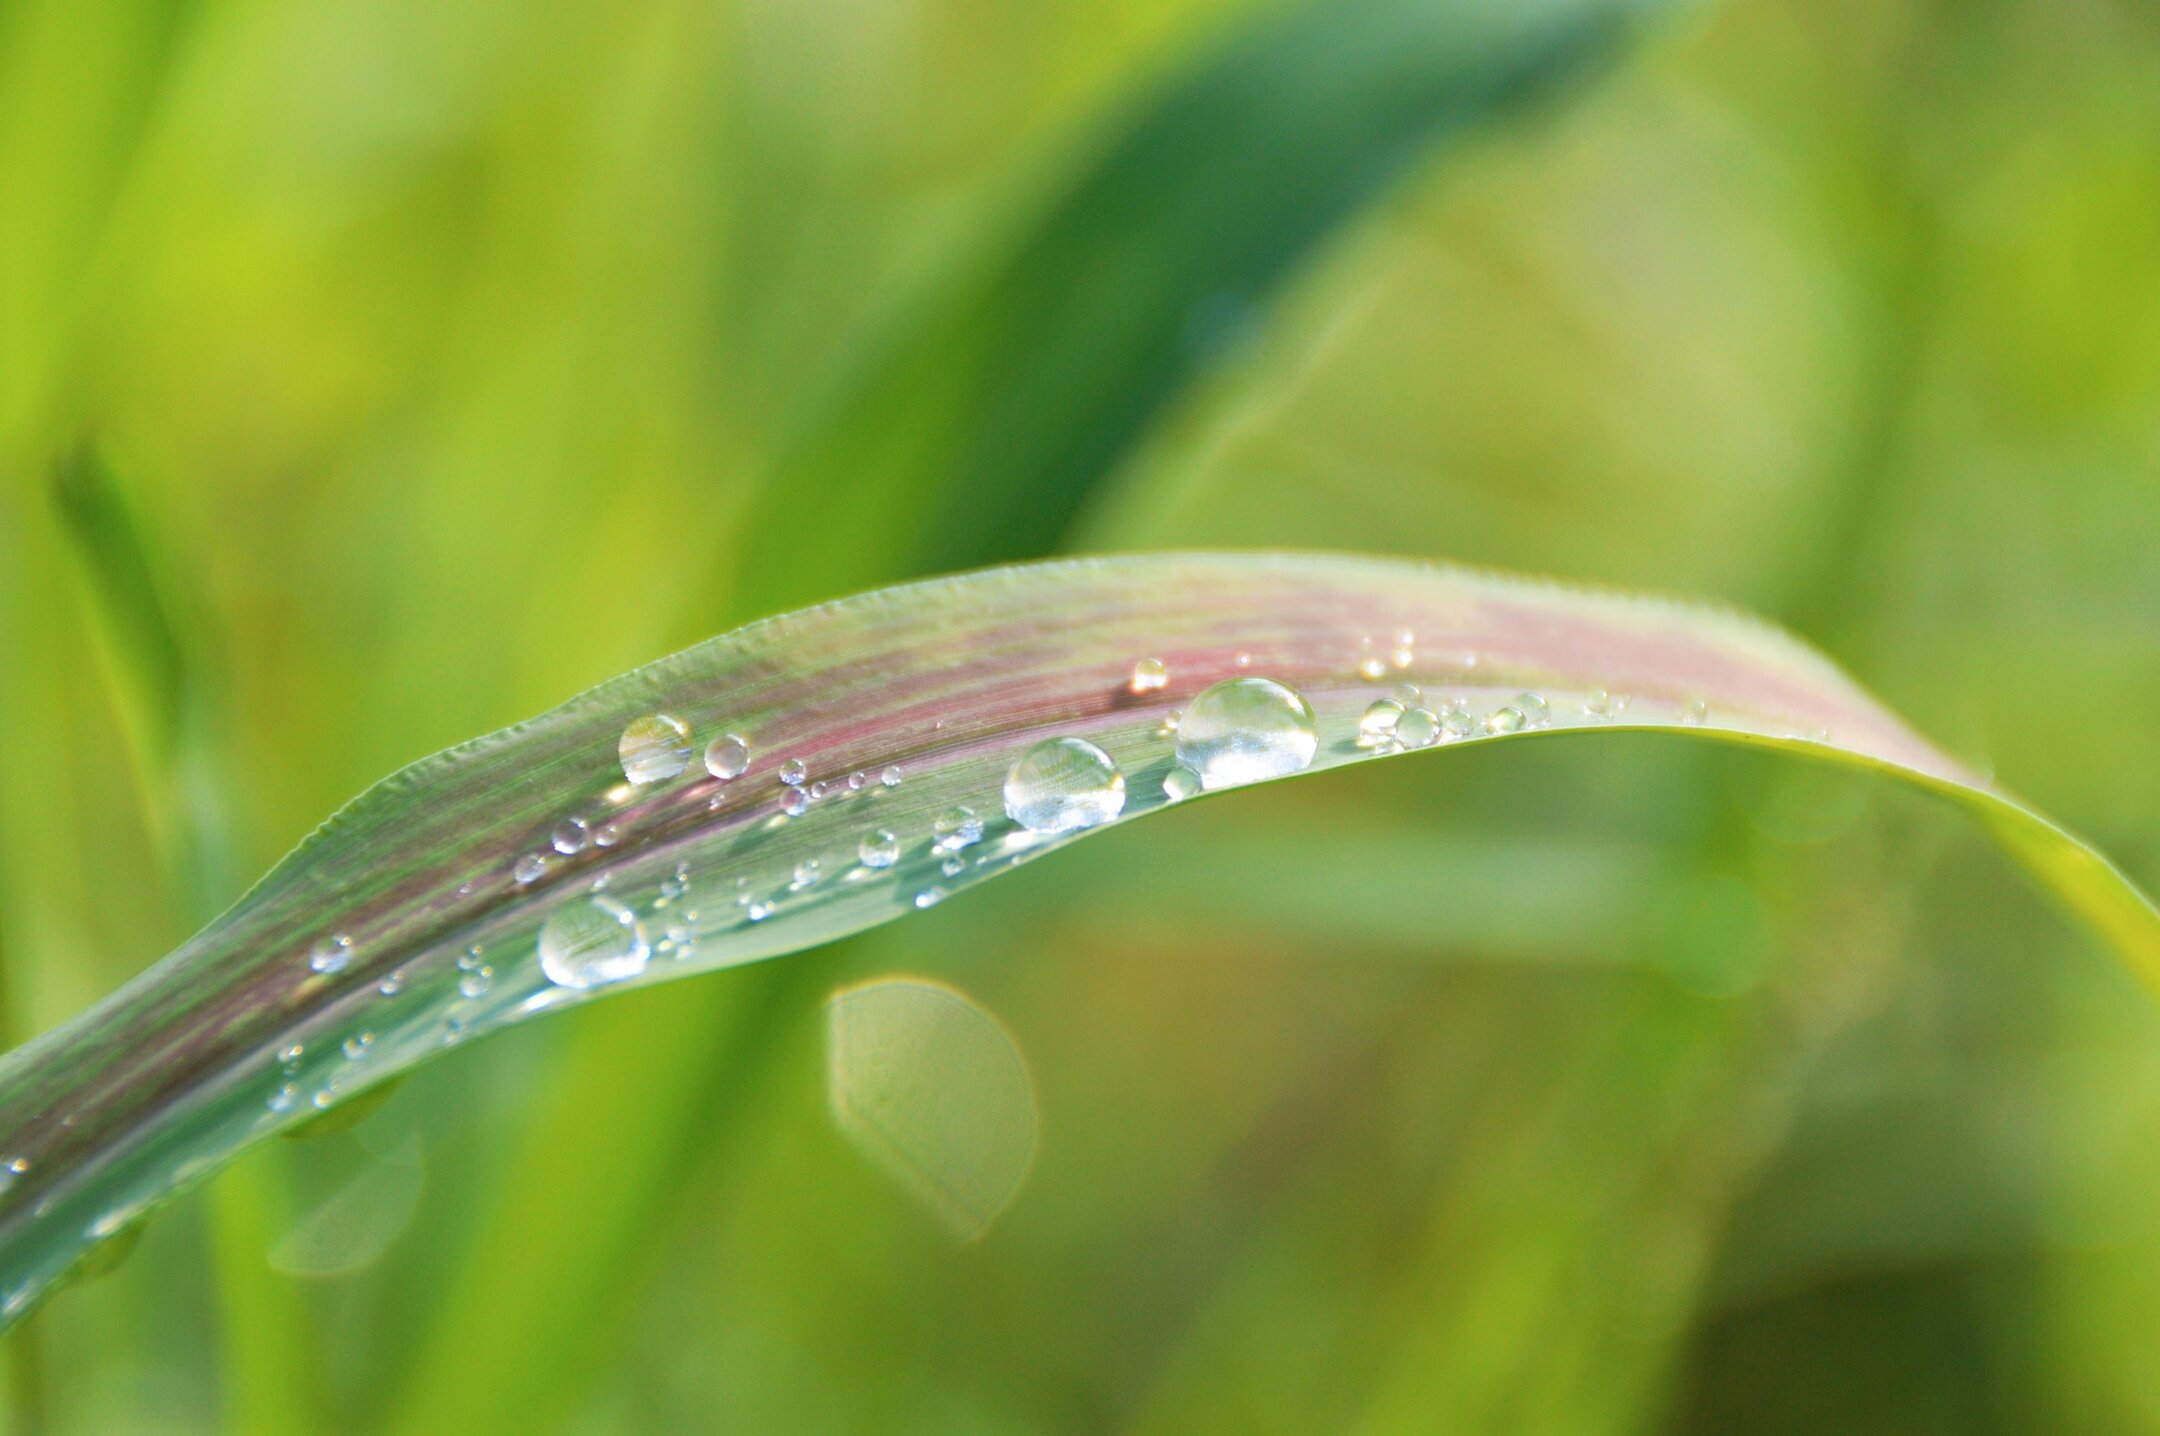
(1418, 728)
(392, 985)
(878, 849)
(727, 756)
(1504, 720)
(654, 747)
(330, 954)
(807, 872)
(569, 837)
(291, 1052)
(1456, 723)
(1597, 703)
(528, 869)
(1169, 725)
(793, 771)
(1377, 727)
(1245, 729)
(758, 910)
(323, 1099)
(607, 835)
(954, 829)
(469, 958)
(1180, 783)
(794, 802)
(1062, 785)
(1243, 660)
(1696, 712)
(1407, 695)
(591, 942)
(953, 866)
(819, 789)
(930, 897)
(1148, 675)
(476, 983)
(358, 1045)
(857, 781)
(454, 1030)
(284, 1099)
(1535, 710)
(891, 776)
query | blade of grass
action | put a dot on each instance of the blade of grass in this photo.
(948, 681)
(163, 693)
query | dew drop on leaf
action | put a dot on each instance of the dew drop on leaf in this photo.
(878, 849)
(1418, 728)
(954, 829)
(1180, 783)
(330, 954)
(654, 747)
(793, 771)
(1062, 785)
(591, 943)
(1148, 675)
(569, 837)
(1244, 730)
(1377, 726)
(1504, 720)
(727, 756)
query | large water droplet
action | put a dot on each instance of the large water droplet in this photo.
(590, 943)
(1062, 785)
(727, 756)
(330, 954)
(878, 849)
(654, 747)
(1245, 729)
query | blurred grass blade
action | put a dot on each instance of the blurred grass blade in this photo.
(894, 757)
(1009, 397)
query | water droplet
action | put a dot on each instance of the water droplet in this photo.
(1535, 710)
(807, 872)
(1696, 712)
(1407, 695)
(392, 985)
(758, 910)
(528, 869)
(607, 835)
(1243, 660)
(878, 849)
(1504, 720)
(891, 776)
(1062, 785)
(569, 837)
(330, 954)
(1377, 727)
(794, 802)
(1169, 725)
(284, 1099)
(953, 866)
(727, 756)
(476, 983)
(469, 958)
(1418, 728)
(1180, 783)
(1245, 729)
(1148, 675)
(654, 747)
(857, 781)
(1456, 723)
(819, 789)
(358, 1045)
(955, 828)
(793, 771)
(290, 1053)
(454, 1030)
(930, 897)
(1597, 703)
(589, 943)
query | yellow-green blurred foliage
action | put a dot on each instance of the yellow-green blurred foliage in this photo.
(452, 354)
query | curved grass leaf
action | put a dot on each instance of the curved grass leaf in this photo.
(414, 918)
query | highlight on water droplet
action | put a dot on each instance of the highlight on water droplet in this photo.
(1148, 675)
(879, 848)
(569, 837)
(727, 756)
(330, 954)
(932, 1090)
(1062, 785)
(591, 942)
(1243, 730)
(930, 896)
(654, 747)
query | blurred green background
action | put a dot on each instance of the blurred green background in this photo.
(455, 357)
